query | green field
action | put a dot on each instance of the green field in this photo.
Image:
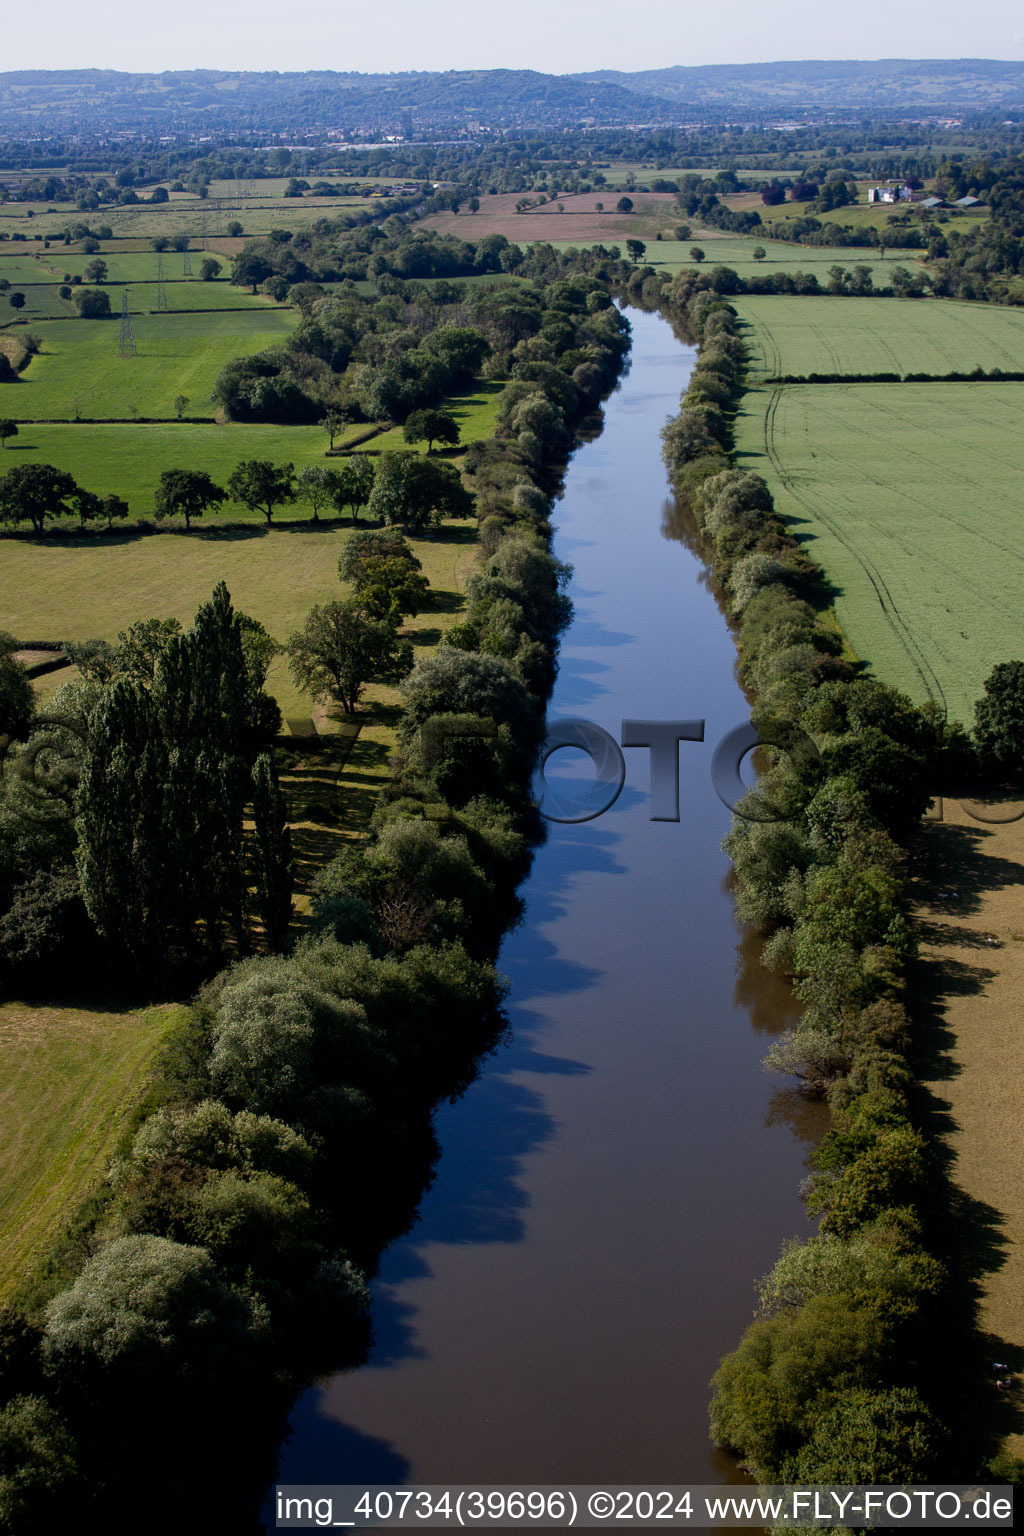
(909, 497)
(830, 335)
(79, 367)
(129, 460)
(65, 590)
(737, 251)
(70, 1078)
(42, 302)
(183, 211)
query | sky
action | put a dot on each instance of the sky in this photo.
(556, 36)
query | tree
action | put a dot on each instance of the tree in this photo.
(143, 1308)
(999, 718)
(636, 249)
(316, 485)
(353, 483)
(234, 228)
(342, 648)
(88, 506)
(7, 429)
(35, 491)
(262, 486)
(188, 492)
(209, 270)
(624, 205)
(249, 269)
(96, 271)
(417, 492)
(333, 423)
(272, 854)
(180, 404)
(93, 303)
(431, 427)
(114, 507)
(759, 253)
(17, 699)
(17, 300)
(385, 573)
(696, 253)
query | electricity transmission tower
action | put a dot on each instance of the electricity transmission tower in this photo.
(202, 217)
(126, 346)
(187, 268)
(161, 291)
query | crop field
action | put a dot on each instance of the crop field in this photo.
(828, 335)
(69, 1081)
(737, 251)
(909, 496)
(79, 368)
(579, 222)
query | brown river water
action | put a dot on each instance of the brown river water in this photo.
(623, 1169)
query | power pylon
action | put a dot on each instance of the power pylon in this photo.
(161, 291)
(187, 265)
(126, 346)
(202, 218)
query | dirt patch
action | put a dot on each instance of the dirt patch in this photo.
(971, 915)
(580, 220)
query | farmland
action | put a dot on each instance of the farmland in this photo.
(79, 368)
(129, 458)
(70, 1078)
(865, 335)
(737, 251)
(67, 590)
(909, 496)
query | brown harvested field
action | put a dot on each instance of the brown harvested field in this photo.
(971, 916)
(580, 221)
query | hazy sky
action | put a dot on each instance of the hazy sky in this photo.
(557, 36)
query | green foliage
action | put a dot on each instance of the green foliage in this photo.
(999, 718)
(411, 490)
(141, 1307)
(35, 491)
(342, 648)
(430, 427)
(262, 486)
(189, 492)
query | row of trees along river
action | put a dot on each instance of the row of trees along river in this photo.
(623, 1169)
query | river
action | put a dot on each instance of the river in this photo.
(623, 1169)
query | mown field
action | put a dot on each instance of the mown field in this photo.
(129, 458)
(70, 1077)
(830, 335)
(909, 497)
(66, 590)
(79, 367)
(183, 211)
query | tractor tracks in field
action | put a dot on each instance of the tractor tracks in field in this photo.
(890, 611)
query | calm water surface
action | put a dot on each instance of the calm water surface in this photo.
(623, 1169)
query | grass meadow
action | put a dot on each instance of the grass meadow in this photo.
(70, 589)
(737, 251)
(70, 1078)
(79, 367)
(909, 497)
(829, 335)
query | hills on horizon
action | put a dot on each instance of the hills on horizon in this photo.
(220, 100)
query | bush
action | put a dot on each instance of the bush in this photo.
(144, 1309)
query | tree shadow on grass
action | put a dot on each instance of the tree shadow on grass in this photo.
(967, 1234)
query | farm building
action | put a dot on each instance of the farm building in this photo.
(892, 192)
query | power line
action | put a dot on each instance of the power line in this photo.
(161, 291)
(126, 346)
(187, 265)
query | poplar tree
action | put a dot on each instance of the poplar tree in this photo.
(272, 856)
